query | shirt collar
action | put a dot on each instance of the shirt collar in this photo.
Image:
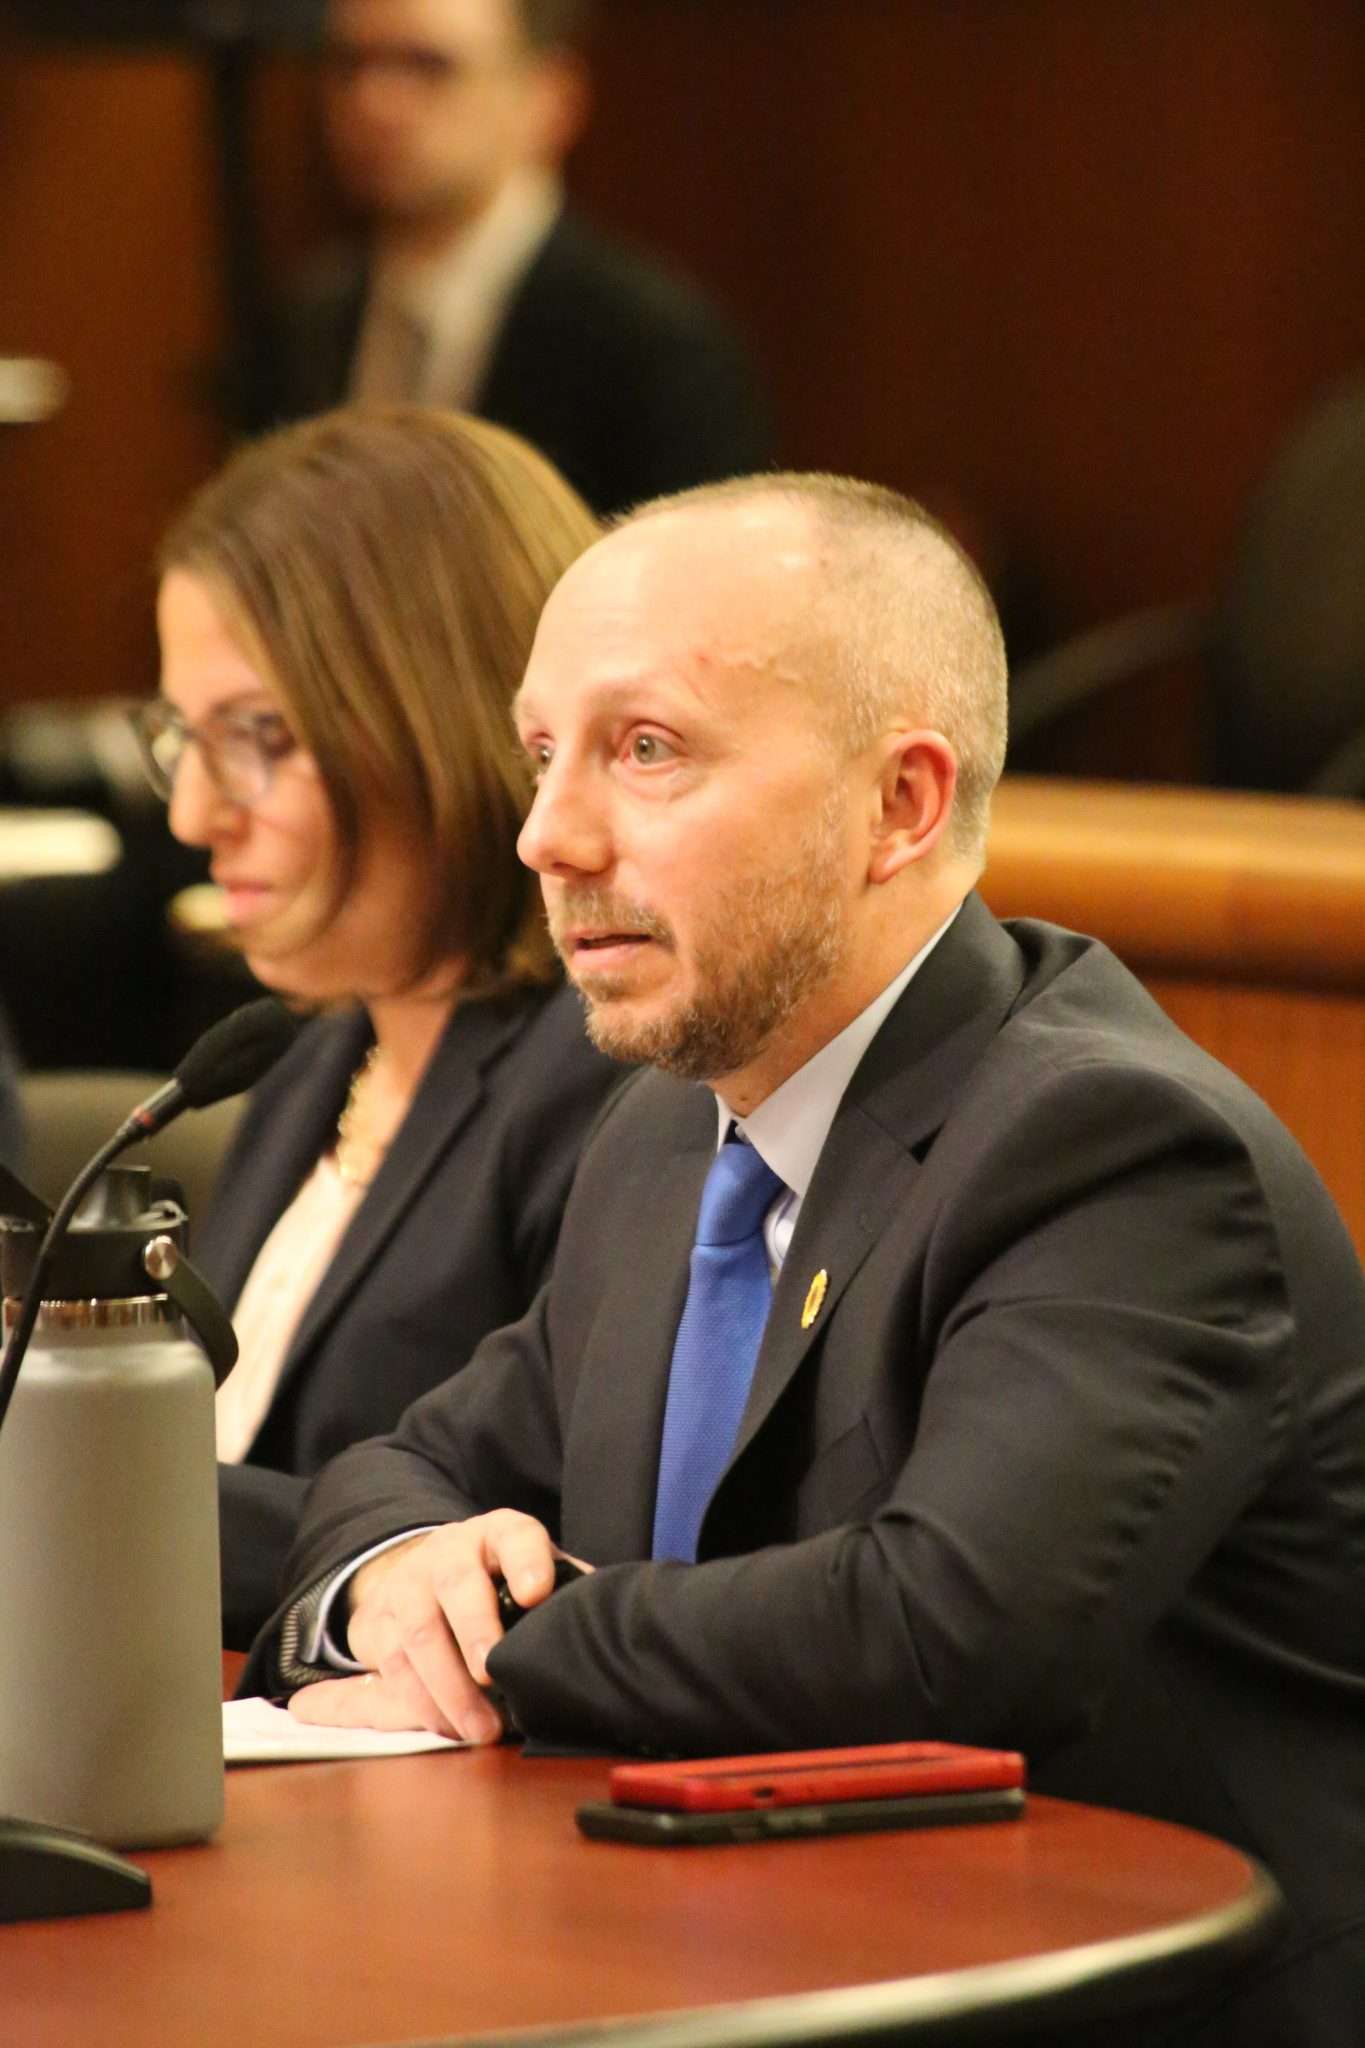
(482, 261)
(789, 1129)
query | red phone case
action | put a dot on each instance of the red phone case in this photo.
(804, 1777)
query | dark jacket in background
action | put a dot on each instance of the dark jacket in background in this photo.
(627, 379)
(12, 1147)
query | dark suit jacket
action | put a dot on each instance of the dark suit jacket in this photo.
(627, 379)
(11, 1103)
(1072, 1459)
(452, 1240)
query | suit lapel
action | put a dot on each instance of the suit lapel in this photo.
(519, 354)
(450, 1092)
(898, 1099)
(324, 373)
(279, 1149)
(620, 1417)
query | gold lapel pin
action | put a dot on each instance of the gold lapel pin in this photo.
(815, 1295)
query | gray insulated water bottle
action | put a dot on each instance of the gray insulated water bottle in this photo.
(110, 1653)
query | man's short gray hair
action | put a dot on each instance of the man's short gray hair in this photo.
(901, 625)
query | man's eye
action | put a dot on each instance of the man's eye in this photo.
(539, 753)
(647, 748)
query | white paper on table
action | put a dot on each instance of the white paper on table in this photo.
(255, 1732)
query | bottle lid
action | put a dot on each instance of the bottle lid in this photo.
(101, 1255)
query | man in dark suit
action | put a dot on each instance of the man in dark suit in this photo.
(447, 121)
(1055, 1434)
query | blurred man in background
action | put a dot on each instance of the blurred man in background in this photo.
(472, 285)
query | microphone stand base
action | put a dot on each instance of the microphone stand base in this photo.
(50, 1872)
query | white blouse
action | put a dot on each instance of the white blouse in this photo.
(286, 1275)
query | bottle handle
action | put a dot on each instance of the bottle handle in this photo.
(190, 1291)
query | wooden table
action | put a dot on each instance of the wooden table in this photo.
(451, 1895)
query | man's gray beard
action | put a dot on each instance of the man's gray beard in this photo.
(784, 938)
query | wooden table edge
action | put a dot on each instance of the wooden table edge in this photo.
(990, 2001)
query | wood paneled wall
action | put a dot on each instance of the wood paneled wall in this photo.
(108, 268)
(1075, 266)
(1067, 270)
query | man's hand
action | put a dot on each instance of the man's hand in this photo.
(424, 1617)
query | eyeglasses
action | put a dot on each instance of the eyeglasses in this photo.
(408, 64)
(240, 749)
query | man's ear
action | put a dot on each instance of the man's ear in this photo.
(560, 105)
(913, 800)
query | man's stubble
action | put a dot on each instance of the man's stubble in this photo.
(770, 942)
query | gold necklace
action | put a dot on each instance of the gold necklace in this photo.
(358, 1156)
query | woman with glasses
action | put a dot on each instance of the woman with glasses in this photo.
(344, 615)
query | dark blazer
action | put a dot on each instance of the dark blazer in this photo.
(624, 376)
(1072, 1458)
(452, 1239)
(11, 1102)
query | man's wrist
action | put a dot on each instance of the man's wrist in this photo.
(313, 1640)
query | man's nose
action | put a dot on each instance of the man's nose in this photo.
(564, 832)
(369, 97)
(376, 90)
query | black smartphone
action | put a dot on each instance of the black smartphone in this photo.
(604, 1820)
(510, 1611)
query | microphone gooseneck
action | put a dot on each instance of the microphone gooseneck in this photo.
(232, 1055)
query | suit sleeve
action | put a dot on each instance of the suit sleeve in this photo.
(1107, 1332)
(258, 1512)
(483, 1439)
(559, 1105)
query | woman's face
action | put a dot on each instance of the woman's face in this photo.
(274, 856)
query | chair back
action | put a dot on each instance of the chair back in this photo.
(68, 1114)
(1287, 658)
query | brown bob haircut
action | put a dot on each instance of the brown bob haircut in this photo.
(385, 568)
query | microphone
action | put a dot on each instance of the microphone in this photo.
(232, 1055)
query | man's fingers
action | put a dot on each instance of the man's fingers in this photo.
(405, 1631)
(518, 1550)
(424, 1656)
(469, 1602)
(369, 1702)
(394, 1702)
(426, 1623)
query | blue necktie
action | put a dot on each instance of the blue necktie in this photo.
(729, 1294)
